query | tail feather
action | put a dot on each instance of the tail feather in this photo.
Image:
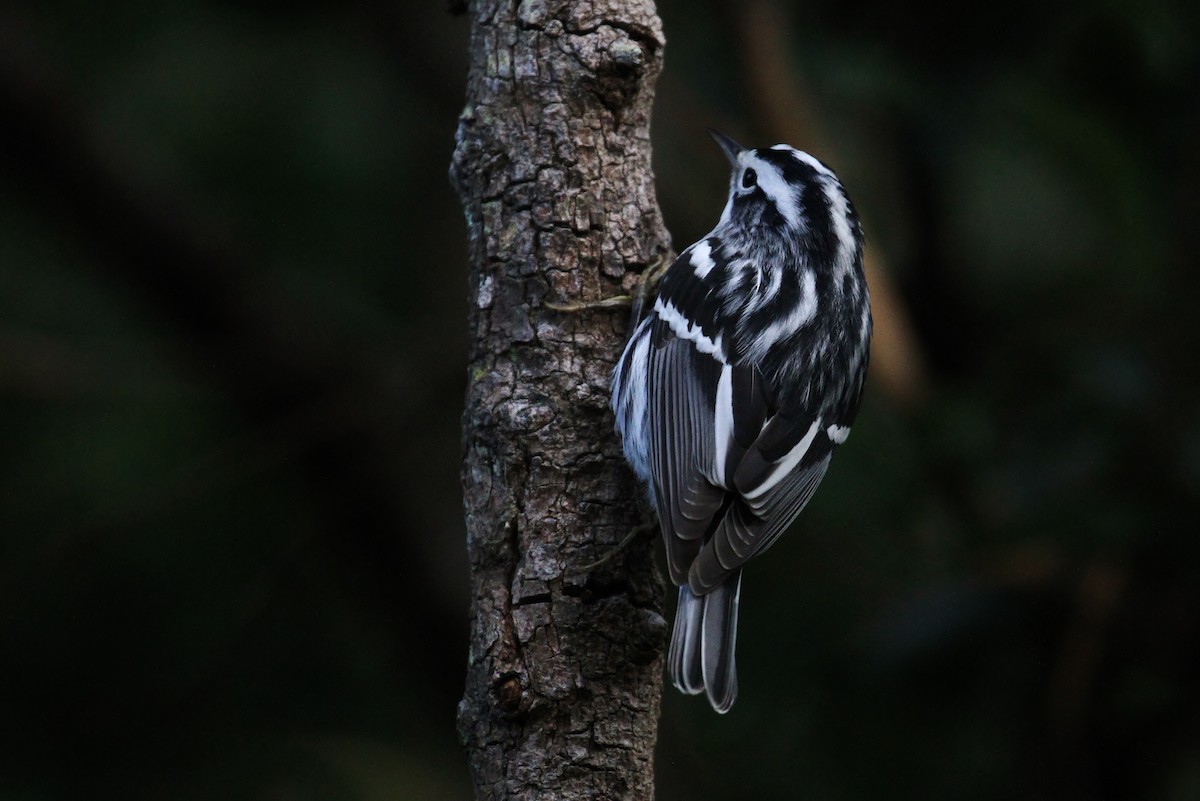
(684, 656)
(701, 658)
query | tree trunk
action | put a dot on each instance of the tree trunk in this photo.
(553, 168)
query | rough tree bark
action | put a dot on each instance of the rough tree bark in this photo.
(553, 168)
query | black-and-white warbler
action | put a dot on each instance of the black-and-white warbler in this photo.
(738, 384)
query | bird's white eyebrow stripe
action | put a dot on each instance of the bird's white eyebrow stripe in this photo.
(776, 188)
(811, 161)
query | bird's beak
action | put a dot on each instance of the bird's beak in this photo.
(730, 148)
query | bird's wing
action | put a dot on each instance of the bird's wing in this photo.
(681, 393)
(729, 476)
(686, 370)
(775, 478)
(731, 466)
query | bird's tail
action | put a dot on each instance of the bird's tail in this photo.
(701, 658)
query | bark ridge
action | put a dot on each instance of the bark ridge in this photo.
(552, 163)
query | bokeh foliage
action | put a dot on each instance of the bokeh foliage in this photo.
(232, 288)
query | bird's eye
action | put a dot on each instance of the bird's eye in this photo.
(749, 178)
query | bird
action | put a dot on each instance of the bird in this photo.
(738, 383)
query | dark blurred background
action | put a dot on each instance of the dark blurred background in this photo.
(232, 360)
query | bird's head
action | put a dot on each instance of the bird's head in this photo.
(780, 190)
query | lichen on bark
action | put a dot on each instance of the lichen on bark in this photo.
(552, 163)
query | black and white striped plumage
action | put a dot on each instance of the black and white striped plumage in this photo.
(734, 390)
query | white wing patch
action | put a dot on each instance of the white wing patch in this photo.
(701, 258)
(723, 424)
(837, 434)
(787, 464)
(686, 329)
